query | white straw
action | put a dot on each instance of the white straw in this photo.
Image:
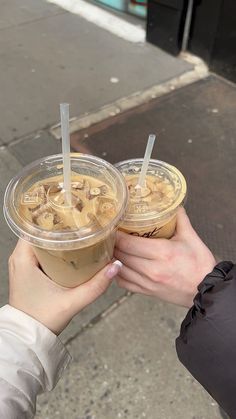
(65, 134)
(146, 159)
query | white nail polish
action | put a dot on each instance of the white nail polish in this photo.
(118, 263)
(114, 269)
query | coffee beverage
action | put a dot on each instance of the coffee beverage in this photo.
(152, 209)
(73, 242)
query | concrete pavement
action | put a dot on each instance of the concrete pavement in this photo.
(50, 56)
(125, 364)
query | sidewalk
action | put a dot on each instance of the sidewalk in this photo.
(50, 56)
(125, 364)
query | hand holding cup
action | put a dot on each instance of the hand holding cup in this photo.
(32, 292)
(168, 269)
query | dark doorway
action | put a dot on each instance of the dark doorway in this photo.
(212, 33)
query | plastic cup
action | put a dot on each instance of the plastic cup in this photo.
(151, 211)
(34, 210)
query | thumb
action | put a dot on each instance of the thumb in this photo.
(88, 292)
(183, 227)
(24, 253)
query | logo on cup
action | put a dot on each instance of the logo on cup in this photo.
(141, 207)
(148, 234)
(30, 198)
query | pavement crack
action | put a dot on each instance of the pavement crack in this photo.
(99, 317)
(33, 21)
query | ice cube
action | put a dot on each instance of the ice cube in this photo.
(40, 209)
(78, 185)
(107, 207)
(103, 189)
(45, 220)
(93, 193)
(54, 188)
(86, 185)
(94, 224)
(79, 204)
(57, 219)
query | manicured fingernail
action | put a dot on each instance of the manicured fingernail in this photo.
(114, 269)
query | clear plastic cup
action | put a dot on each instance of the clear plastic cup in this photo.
(69, 254)
(151, 211)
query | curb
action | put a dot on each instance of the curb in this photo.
(199, 72)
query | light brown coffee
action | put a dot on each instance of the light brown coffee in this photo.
(158, 194)
(93, 207)
(152, 208)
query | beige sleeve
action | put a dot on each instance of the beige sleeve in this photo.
(32, 359)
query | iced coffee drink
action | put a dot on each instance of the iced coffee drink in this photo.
(73, 242)
(152, 209)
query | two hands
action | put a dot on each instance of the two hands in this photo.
(168, 269)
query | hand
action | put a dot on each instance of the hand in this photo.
(31, 291)
(168, 269)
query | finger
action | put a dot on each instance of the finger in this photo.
(183, 226)
(24, 253)
(86, 293)
(140, 246)
(129, 286)
(134, 277)
(133, 262)
(143, 266)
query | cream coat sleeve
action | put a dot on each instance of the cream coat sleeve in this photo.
(32, 360)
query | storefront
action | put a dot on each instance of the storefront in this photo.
(203, 27)
(135, 7)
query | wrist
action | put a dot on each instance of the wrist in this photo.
(204, 270)
(207, 267)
